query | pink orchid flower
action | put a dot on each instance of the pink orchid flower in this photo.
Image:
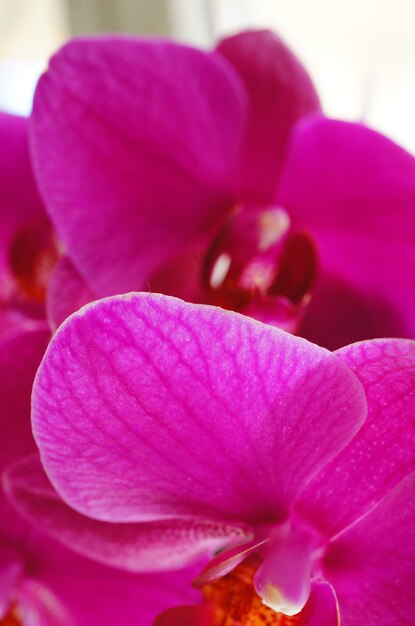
(216, 432)
(42, 583)
(28, 250)
(169, 169)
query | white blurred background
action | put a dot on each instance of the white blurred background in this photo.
(360, 53)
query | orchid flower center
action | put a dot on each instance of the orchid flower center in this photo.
(259, 264)
(13, 617)
(32, 256)
(235, 602)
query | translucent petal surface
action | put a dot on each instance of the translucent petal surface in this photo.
(147, 407)
(383, 452)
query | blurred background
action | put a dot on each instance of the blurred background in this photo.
(360, 53)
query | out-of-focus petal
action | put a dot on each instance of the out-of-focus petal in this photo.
(383, 451)
(354, 190)
(134, 146)
(372, 563)
(20, 355)
(152, 546)
(147, 407)
(19, 199)
(280, 92)
(20, 204)
(10, 570)
(182, 275)
(63, 585)
(67, 292)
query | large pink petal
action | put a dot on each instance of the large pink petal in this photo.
(134, 145)
(148, 407)
(383, 452)
(280, 92)
(372, 563)
(355, 192)
(152, 546)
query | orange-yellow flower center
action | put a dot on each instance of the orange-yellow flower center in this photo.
(13, 617)
(235, 602)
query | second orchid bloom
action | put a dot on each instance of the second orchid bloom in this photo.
(214, 177)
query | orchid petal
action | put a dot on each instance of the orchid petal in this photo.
(383, 452)
(24, 229)
(20, 203)
(134, 146)
(20, 356)
(147, 407)
(280, 92)
(182, 275)
(10, 570)
(153, 546)
(64, 586)
(372, 563)
(322, 608)
(355, 192)
(67, 292)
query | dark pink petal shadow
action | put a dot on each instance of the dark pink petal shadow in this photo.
(383, 451)
(67, 292)
(322, 608)
(340, 314)
(354, 190)
(20, 356)
(280, 92)
(20, 204)
(147, 407)
(186, 616)
(372, 563)
(134, 145)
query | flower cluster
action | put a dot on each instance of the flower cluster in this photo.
(199, 276)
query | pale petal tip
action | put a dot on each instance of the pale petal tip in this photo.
(274, 599)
